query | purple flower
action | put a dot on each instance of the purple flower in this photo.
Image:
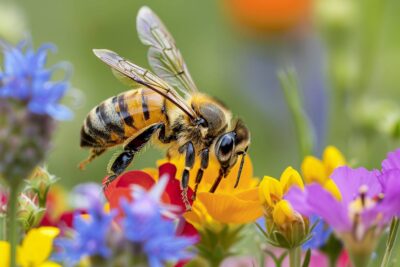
(392, 161)
(369, 201)
(25, 78)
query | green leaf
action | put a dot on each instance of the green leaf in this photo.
(307, 258)
(291, 90)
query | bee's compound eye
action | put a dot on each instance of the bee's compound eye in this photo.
(224, 147)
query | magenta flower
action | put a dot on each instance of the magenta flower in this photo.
(369, 200)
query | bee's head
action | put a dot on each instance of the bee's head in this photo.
(213, 119)
(231, 145)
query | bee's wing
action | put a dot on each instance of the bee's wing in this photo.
(164, 57)
(143, 77)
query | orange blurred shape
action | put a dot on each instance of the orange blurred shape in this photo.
(269, 15)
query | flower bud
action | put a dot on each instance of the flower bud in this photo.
(24, 140)
(29, 214)
(289, 228)
(39, 183)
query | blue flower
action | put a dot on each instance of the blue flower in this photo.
(25, 78)
(89, 237)
(320, 234)
(145, 225)
(145, 232)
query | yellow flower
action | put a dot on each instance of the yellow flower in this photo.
(227, 204)
(283, 213)
(271, 192)
(285, 227)
(319, 171)
(34, 250)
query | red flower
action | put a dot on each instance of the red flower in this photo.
(62, 222)
(120, 187)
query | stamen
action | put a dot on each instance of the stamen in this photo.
(378, 198)
(363, 193)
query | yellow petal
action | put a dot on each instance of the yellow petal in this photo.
(283, 213)
(4, 254)
(313, 170)
(106, 207)
(37, 245)
(332, 158)
(198, 216)
(270, 190)
(332, 188)
(227, 208)
(249, 194)
(210, 174)
(290, 177)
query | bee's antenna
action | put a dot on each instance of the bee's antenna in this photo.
(240, 167)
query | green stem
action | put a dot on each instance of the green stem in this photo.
(291, 90)
(3, 227)
(394, 227)
(12, 210)
(295, 257)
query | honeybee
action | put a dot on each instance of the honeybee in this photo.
(195, 125)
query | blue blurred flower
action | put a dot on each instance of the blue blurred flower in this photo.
(320, 234)
(89, 237)
(25, 78)
(145, 225)
(145, 233)
(87, 196)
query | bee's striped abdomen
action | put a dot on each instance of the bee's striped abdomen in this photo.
(118, 118)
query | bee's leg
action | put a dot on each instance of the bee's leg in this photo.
(163, 137)
(222, 173)
(130, 149)
(190, 154)
(204, 157)
(94, 153)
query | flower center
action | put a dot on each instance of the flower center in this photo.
(361, 203)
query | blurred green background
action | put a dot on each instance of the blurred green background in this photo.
(236, 65)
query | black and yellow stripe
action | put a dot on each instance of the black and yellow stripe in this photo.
(120, 117)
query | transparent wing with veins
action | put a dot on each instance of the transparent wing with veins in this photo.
(164, 57)
(144, 77)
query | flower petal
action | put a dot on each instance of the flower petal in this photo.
(315, 200)
(392, 161)
(173, 190)
(350, 180)
(332, 159)
(125, 180)
(332, 188)
(290, 177)
(37, 245)
(227, 208)
(313, 170)
(390, 205)
(270, 190)
(4, 253)
(283, 213)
